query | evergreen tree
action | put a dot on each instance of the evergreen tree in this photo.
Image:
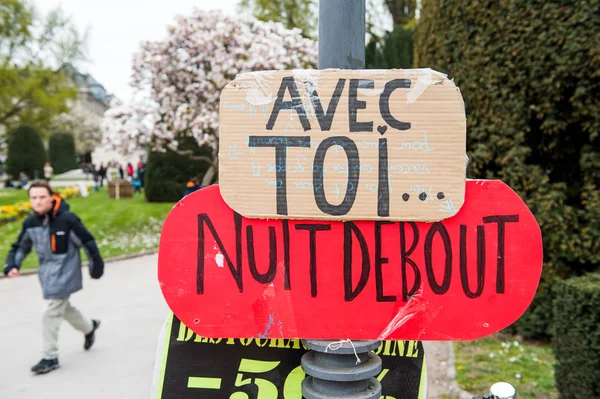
(26, 153)
(529, 77)
(61, 151)
(168, 172)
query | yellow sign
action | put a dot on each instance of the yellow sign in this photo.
(190, 366)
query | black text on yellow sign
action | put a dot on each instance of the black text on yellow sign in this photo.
(254, 368)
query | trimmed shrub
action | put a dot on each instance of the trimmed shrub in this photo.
(528, 72)
(168, 172)
(25, 153)
(576, 342)
(395, 50)
(61, 152)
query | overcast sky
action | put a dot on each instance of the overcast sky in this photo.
(116, 28)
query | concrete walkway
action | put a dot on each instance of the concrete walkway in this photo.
(121, 364)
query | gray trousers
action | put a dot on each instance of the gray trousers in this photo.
(54, 311)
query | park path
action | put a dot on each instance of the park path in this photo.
(121, 364)
(130, 305)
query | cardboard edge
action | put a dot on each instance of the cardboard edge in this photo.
(249, 215)
(441, 76)
(423, 74)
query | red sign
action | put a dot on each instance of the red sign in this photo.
(466, 277)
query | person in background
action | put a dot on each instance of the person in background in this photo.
(111, 172)
(141, 170)
(137, 184)
(57, 235)
(129, 171)
(95, 175)
(102, 174)
(23, 180)
(192, 186)
(48, 170)
(86, 169)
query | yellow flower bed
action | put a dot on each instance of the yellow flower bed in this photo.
(10, 213)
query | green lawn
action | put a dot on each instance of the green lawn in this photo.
(529, 367)
(12, 196)
(126, 226)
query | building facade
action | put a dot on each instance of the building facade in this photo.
(94, 100)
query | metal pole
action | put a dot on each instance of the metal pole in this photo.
(342, 34)
(341, 369)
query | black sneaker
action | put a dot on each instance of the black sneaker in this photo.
(89, 338)
(45, 365)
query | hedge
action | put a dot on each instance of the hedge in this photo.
(168, 172)
(61, 152)
(528, 72)
(576, 342)
(394, 50)
(25, 153)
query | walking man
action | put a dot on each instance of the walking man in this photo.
(57, 236)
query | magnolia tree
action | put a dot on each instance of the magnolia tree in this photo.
(178, 81)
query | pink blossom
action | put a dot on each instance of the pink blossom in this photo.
(178, 81)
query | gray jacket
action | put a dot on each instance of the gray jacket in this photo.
(57, 238)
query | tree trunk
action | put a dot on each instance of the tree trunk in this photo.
(211, 173)
(402, 10)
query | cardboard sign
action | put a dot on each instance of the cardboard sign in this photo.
(193, 367)
(463, 278)
(343, 145)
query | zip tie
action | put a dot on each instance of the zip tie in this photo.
(338, 345)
